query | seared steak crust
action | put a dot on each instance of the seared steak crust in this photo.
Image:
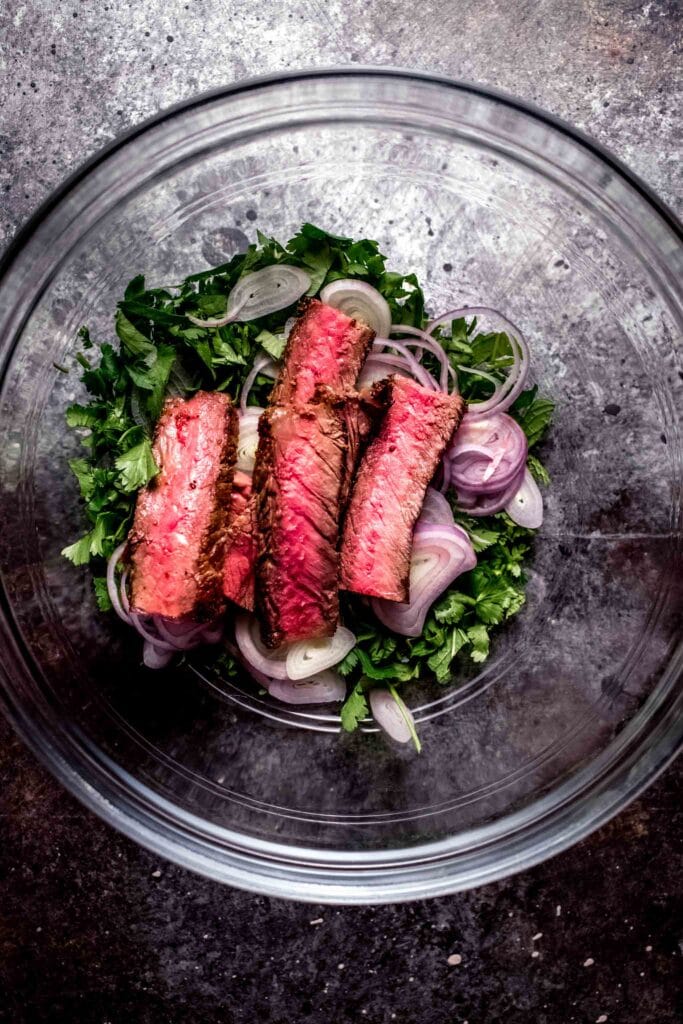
(240, 545)
(389, 488)
(324, 347)
(297, 483)
(177, 541)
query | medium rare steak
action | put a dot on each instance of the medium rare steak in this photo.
(324, 347)
(362, 412)
(389, 488)
(177, 541)
(240, 545)
(297, 483)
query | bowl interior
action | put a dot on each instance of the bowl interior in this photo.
(488, 204)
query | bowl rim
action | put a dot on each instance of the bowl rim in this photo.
(325, 876)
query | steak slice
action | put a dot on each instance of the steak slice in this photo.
(362, 413)
(324, 347)
(178, 535)
(297, 483)
(389, 488)
(240, 545)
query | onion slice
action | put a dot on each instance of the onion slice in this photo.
(525, 507)
(306, 658)
(429, 344)
(413, 367)
(392, 715)
(436, 509)
(248, 438)
(113, 588)
(255, 653)
(487, 453)
(506, 393)
(360, 301)
(154, 656)
(265, 291)
(488, 504)
(322, 688)
(440, 554)
(379, 365)
(262, 364)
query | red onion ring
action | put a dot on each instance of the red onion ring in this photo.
(262, 364)
(488, 504)
(254, 652)
(487, 453)
(506, 393)
(436, 509)
(429, 344)
(440, 554)
(154, 656)
(113, 587)
(416, 369)
(525, 507)
(379, 365)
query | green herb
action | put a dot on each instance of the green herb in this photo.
(355, 708)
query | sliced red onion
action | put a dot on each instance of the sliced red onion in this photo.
(318, 689)
(525, 507)
(154, 656)
(379, 365)
(265, 291)
(262, 364)
(360, 301)
(506, 393)
(307, 658)
(429, 344)
(248, 438)
(231, 314)
(487, 453)
(113, 587)
(436, 509)
(488, 504)
(182, 634)
(440, 554)
(148, 632)
(123, 591)
(396, 721)
(255, 652)
(415, 369)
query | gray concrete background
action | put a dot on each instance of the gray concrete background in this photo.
(93, 928)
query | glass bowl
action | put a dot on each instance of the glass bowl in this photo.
(488, 201)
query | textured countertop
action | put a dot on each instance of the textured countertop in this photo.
(94, 929)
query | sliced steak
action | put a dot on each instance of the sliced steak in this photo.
(177, 541)
(362, 413)
(297, 482)
(240, 545)
(389, 488)
(324, 347)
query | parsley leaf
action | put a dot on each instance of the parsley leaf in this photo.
(136, 466)
(354, 709)
(102, 593)
(479, 638)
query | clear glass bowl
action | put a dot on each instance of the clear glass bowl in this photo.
(489, 201)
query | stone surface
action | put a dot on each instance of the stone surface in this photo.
(94, 929)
